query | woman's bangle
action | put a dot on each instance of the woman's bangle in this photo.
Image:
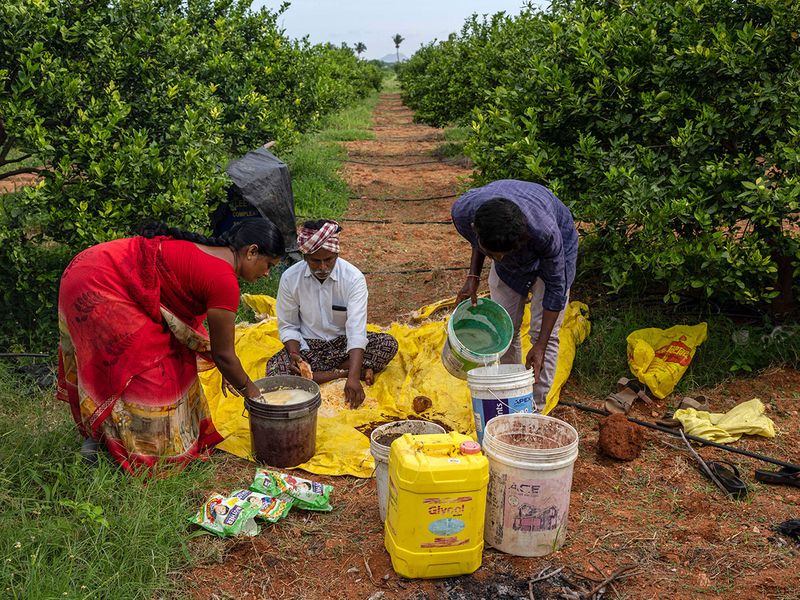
(241, 389)
(478, 277)
(295, 354)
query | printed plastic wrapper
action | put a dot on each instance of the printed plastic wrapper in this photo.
(659, 357)
(270, 509)
(302, 493)
(227, 517)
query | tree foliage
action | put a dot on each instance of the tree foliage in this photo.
(132, 109)
(671, 128)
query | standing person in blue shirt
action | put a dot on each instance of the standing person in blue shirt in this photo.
(531, 238)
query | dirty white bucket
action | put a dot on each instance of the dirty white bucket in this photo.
(380, 444)
(530, 476)
(499, 390)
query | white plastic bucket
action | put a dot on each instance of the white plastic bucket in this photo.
(380, 444)
(530, 477)
(499, 390)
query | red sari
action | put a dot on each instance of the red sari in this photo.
(130, 324)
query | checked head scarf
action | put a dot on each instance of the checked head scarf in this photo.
(324, 238)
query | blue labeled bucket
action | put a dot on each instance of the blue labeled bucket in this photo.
(499, 390)
(476, 336)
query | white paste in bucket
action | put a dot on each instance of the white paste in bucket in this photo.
(284, 397)
(531, 458)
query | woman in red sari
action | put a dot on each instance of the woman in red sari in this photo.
(131, 315)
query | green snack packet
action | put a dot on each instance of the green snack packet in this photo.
(269, 508)
(227, 516)
(305, 494)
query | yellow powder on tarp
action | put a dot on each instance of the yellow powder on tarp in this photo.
(417, 370)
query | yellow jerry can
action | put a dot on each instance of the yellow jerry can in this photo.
(437, 503)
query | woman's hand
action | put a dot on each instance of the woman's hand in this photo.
(228, 387)
(469, 290)
(354, 392)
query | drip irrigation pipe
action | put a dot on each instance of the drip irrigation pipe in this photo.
(380, 221)
(377, 139)
(405, 199)
(411, 164)
(411, 271)
(694, 438)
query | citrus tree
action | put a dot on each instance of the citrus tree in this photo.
(131, 110)
(670, 127)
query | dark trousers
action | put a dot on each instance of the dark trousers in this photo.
(328, 355)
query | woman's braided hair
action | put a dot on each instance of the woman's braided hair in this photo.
(261, 232)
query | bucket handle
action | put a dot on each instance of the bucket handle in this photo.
(292, 415)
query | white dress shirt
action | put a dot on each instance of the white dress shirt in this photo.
(310, 309)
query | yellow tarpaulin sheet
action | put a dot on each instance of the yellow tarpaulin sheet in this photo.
(724, 428)
(342, 447)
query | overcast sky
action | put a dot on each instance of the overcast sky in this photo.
(375, 22)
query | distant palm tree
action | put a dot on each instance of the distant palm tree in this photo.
(398, 39)
(360, 47)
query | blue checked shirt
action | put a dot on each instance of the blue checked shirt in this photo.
(550, 253)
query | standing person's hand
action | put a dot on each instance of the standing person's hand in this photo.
(354, 392)
(470, 290)
(535, 359)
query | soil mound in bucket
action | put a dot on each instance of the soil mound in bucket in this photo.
(619, 438)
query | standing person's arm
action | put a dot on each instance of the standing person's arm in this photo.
(535, 358)
(356, 331)
(470, 288)
(461, 213)
(552, 270)
(222, 333)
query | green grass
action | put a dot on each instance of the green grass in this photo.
(453, 146)
(350, 124)
(731, 348)
(14, 155)
(71, 531)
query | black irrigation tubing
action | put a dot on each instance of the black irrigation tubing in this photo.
(421, 162)
(405, 199)
(23, 355)
(675, 433)
(377, 139)
(381, 221)
(412, 271)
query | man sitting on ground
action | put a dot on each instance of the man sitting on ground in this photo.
(322, 317)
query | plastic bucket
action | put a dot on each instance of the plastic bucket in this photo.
(284, 435)
(499, 390)
(380, 443)
(476, 336)
(530, 477)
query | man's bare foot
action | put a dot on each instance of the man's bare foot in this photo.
(368, 376)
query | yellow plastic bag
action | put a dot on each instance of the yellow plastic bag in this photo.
(724, 428)
(659, 357)
(417, 370)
